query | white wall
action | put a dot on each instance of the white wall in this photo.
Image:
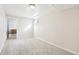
(3, 28)
(60, 28)
(24, 28)
(71, 29)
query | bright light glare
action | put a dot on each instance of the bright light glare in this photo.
(36, 21)
(32, 6)
(28, 27)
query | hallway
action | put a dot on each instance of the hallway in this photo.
(31, 47)
(39, 29)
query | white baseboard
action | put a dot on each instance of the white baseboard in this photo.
(73, 52)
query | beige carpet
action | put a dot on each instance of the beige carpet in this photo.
(31, 47)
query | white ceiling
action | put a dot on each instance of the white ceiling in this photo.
(62, 7)
(18, 10)
(25, 11)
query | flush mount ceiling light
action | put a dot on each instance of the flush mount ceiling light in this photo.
(32, 6)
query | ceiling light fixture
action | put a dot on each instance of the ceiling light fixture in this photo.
(32, 6)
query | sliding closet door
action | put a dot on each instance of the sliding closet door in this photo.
(24, 29)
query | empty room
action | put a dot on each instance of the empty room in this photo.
(39, 29)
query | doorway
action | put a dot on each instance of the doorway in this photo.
(11, 29)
